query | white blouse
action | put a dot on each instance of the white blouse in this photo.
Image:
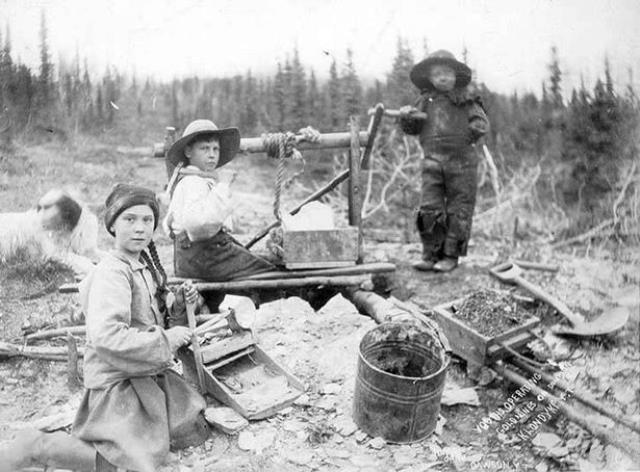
(199, 206)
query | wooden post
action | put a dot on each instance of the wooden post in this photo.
(195, 344)
(372, 131)
(355, 192)
(73, 378)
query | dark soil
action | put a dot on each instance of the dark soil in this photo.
(491, 312)
(402, 362)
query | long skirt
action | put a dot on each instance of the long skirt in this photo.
(217, 259)
(135, 422)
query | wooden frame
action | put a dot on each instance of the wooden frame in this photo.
(472, 346)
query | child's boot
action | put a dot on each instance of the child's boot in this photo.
(424, 265)
(446, 264)
(451, 251)
(427, 262)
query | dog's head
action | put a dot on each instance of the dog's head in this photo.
(58, 211)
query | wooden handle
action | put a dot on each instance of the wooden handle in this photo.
(564, 310)
(537, 265)
(197, 354)
(396, 114)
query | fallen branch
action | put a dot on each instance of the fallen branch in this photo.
(55, 333)
(585, 236)
(493, 172)
(620, 199)
(8, 350)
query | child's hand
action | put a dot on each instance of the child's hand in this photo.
(178, 336)
(189, 292)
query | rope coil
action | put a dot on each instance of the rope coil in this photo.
(282, 146)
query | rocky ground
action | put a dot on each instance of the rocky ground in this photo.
(321, 349)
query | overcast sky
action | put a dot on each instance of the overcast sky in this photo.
(508, 41)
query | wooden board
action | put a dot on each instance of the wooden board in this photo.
(473, 346)
(320, 248)
(269, 387)
(226, 346)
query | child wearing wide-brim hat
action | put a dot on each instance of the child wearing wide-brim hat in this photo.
(200, 206)
(454, 122)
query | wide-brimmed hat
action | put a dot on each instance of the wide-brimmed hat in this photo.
(419, 75)
(229, 142)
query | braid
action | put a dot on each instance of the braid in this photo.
(152, 260)
(153, 251)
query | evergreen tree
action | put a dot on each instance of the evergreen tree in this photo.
(313, 101)
(46, 67)
(298, 112)
(351, 89)
(249, 117)
(555, 79)
(334, 98)
(400, 90)
(279, 92)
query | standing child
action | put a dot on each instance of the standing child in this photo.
(135, 408)
(453, 123)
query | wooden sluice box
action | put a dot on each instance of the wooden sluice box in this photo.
(319, 249)
(241, 375)
(471, 345)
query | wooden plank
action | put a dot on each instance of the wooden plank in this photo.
(374, 124)
(526, 326)
(319, 248)
(465, 341)
(359, 269)
(228, 359)
(473, 346)
(355, 190)
(263, 358)
(368, 268)
(342, 281)
(226, 346)
(326, 141)
(496, 351)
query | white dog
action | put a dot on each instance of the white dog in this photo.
(59, 228)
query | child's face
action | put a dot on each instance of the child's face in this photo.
(133, 229)
(204, 154)
(442, 77)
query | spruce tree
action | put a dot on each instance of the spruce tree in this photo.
(400, 91)
(334, 98)
(46, 67)
(351, 89)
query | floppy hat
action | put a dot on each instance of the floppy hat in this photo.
(419, 75)
(229, 142)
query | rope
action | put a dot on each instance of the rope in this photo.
(282, 146)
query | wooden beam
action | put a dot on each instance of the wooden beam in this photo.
(374, 124)
(328, 281)
(360, 269)
(256, 145)
(355, 192)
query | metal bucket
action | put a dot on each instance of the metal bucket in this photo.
(401, 374)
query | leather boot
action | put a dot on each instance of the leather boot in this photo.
(446, 264)
(427, 262)
(451, 250)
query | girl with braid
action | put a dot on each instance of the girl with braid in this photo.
(135, 408)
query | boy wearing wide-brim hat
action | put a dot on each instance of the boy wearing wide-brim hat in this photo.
(201, 204)
(454, 122)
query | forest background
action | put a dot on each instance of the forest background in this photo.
(550, 167)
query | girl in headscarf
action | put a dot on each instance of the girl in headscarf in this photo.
(135, 407)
